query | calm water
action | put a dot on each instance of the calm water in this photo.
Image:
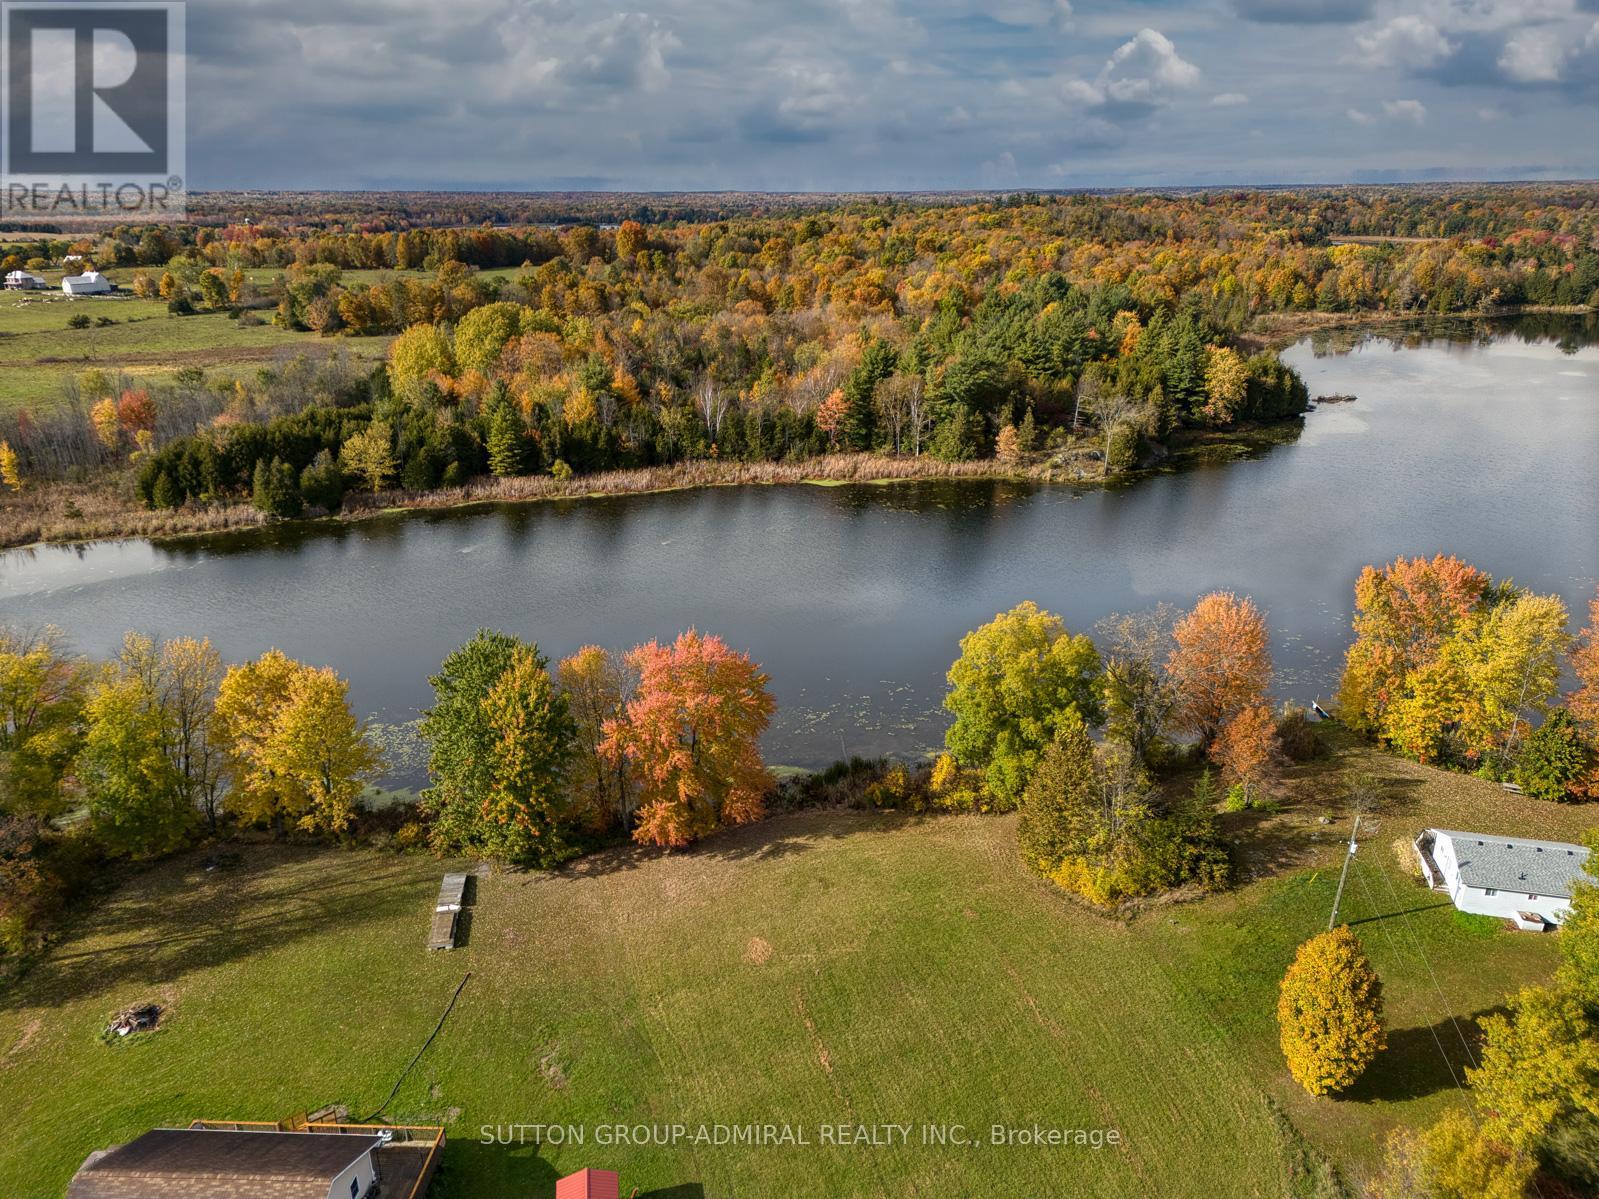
(1482, 443)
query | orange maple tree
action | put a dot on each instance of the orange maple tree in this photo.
(1221, 664)
(1403, 613)
(691, 736)
(1247, 750)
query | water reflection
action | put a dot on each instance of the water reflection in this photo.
(1474, 439)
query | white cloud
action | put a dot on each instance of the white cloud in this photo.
(1360, 118)
(1534, 56)
(1229, 99)
(1141, 75)
(1412, 42)
(1413, 111)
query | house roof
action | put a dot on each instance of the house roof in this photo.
(1490, 862)
(198, 1163)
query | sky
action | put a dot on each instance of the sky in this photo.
(887, 95)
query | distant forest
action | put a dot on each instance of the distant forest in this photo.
(562, 334)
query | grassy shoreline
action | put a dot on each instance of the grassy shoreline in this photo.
(107, 510)
(816, 967)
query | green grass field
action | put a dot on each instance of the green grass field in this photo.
(817, 969)
(39, 352)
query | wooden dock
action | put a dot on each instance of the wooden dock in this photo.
(447, 912)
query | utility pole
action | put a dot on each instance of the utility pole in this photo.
(1344, 874)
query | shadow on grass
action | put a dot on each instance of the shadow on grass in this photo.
(1424, 907)
(781, 835)
(1423, 1060)
(685, 1190)
(180, 917)
(470, 1168)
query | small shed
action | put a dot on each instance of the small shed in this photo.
(590, 1184)
(90, 283)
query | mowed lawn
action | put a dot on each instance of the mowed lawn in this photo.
(817, 969)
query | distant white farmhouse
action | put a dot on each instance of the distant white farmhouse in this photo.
(90, 283)
(24, 281)
(1528, 882)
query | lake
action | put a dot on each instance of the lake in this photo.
(1471, 438)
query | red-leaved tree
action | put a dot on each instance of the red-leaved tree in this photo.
(691, 736)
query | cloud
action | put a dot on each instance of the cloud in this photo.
(1410, 42)
(1535, 56)
(874, 94)
(1360, 118)
(1413, 111)
(1304, 12)
(1143, 74)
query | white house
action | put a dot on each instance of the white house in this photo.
(1528, 882)
(168, 1162)
(24, 281)
(90, 283)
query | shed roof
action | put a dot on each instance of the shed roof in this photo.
(1490, 862)
(177, 1163)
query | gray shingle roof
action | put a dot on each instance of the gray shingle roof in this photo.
(167, 1163)
(1497, 863)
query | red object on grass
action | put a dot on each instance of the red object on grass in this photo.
(590, 1184)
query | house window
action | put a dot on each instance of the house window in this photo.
(355, 1188)
(1532, 897)
(1490, 891)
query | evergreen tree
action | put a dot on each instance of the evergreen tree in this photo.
(322, 483)
(1553, 757)
(1058, 808)
(165, 492)
(506, 439)
(860, 389)
(276, 488)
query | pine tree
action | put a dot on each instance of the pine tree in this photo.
(276, 488)
(860, 390)
(1553, 758)
(505, 443)
(1058, 807)
(165, 492)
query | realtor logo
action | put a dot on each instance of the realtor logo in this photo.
(93, 122)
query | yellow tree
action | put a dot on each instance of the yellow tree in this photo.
(107, 424)
(1509, 659)
(295, 748)
(1226, 384)
(319, 746)
(1540, 1066)
(370, 454)
(1452, 1159)
(10, 467)
(248, 702)
(1329, 1013)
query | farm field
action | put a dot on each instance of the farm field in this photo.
(818, 968)
(38, 352)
